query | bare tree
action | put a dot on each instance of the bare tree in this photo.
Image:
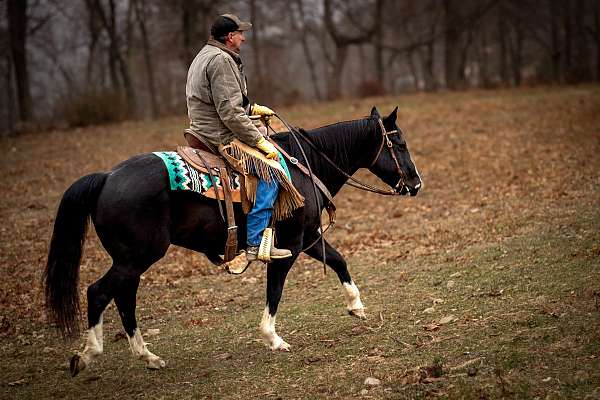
(196, 19)
(17, 30)
(342, 41)
(299, 22)
(378, 42)
(141, 14)
(594, 31)
(119, 68)
(7, 103)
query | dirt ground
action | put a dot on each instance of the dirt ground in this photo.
(485, 285)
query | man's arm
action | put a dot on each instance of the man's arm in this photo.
(227, 97)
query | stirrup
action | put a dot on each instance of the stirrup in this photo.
(264, 250)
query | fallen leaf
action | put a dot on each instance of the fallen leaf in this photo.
(312, 360)
(119, 336)
(447, 319)
(429, 310)
(370, 381)
(466, 364)
(19, 382)
(375, 359)
(152, 332)
(223, 356)
(431, 327)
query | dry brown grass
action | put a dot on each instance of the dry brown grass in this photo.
(509, 213)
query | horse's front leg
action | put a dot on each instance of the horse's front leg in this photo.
(336, 261)
(276, 273)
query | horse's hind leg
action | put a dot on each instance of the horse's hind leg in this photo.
(125, 299)
(99, 294)
(335, 260)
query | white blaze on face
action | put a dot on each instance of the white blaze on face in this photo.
(267, 329)
(420, 184)
(352, 297)
(139, 349)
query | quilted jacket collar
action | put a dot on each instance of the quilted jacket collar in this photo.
(236, 57)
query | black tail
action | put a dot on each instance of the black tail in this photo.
(61, 277)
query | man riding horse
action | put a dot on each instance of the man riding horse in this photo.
(137, 215)
(219, 109)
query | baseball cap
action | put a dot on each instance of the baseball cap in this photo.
(228, 23)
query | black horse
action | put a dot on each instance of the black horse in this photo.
(137, 217)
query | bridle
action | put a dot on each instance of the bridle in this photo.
(385, 139)
(353, 182)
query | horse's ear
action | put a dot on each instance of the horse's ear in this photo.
(393, 116)
(374, 112)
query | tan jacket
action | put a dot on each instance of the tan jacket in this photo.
(215, 92)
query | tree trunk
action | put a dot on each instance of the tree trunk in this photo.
(484, 71)
(303, 31)
(428, 67)
(413, 70)
(10, 100)
(379, 65)
(334, 81)
(140, 8)
(93, 26)
(596, 35)
(196, 16)
(263, 91)
(582, 70)
(502, 56)
(452, 53)
(189, 16)
(555, 41)
(17, 28)
(464, 53)
(342, 42)
(116, 58)
(567, 43)
(516, 51)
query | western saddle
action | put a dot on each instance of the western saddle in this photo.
(205, 158)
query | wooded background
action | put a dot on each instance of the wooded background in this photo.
(66, 63)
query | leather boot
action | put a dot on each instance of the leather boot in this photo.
(276, 254)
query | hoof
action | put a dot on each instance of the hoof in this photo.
(283, 346)
(156, 363)
(76, 365)
(358, 313)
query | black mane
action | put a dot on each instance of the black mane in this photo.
(345, 143)
(339, 141)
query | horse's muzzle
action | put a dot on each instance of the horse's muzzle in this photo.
(409, 190)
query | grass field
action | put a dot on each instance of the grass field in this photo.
(485, 285)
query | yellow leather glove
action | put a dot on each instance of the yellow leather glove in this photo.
(266, 147)
(263, 111)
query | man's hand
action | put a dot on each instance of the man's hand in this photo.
(263, 111)
(267, 148)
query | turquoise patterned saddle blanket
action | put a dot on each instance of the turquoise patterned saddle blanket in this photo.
(183, 176)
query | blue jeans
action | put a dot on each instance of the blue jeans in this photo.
(260, 215)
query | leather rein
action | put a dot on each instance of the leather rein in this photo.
(353, 182)
(316, 182)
